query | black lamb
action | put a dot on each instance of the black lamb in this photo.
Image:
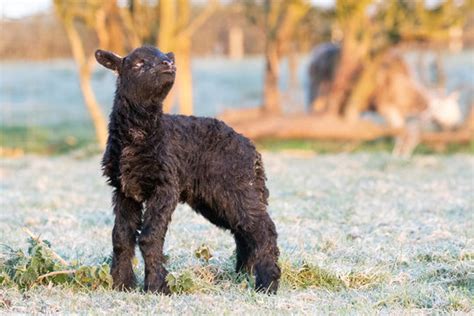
(154, 161)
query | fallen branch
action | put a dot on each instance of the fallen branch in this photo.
(260, 125)
(326, 127)
(41, 277)
(462, 136)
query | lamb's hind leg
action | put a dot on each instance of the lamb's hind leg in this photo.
(256, 239)
(262, 252)
(223, 220)
(242, 252)
(255, 236)
(159, 209)
(127, 221)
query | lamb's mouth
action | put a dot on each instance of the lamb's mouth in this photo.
(168, 71)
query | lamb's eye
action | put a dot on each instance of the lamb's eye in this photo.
(138, 64)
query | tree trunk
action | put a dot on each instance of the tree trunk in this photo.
(280, 22)
(130, 29)
(167, 25)
(236, 43)
(293, 70)
(347, 70)
(362, 90)
(84, 65)
(93, 107)
(117, 41)
(271, 92)
(354, 49)
(440, 74)
(184, 77)
(176, 29)
(101, 29)
(165, 41)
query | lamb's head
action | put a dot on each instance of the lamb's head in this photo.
(145, 75)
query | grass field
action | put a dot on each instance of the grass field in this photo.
(358, 233)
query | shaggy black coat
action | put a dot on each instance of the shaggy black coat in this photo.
(155, 160)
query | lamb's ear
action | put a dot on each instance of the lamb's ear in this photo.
(108, 60)
(170, 56)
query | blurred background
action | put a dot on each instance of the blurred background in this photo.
(323, 75)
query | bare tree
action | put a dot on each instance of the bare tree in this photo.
(175, 32)
(123, 28)
(354, 23)
(91, 13)
(281, 19)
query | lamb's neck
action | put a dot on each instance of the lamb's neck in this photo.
(137, 121)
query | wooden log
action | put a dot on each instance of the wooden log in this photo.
(310, 127)
(329, 127)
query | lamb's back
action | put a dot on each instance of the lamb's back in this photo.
(210, 146)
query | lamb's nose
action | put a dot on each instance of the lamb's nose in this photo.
(169, 63)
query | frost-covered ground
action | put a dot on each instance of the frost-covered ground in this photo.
(404, 229)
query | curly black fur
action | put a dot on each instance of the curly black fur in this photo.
(154, 161)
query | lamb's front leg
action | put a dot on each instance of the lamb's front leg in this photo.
(159, 209)
(128, 215)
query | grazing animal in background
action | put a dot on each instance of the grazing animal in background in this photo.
(155, 160)
(396, 95)
(322, 68)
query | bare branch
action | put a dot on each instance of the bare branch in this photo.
(200, 19)
(41, 277)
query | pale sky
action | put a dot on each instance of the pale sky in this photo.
(18, 8)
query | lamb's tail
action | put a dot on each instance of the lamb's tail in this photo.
(260, 178)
